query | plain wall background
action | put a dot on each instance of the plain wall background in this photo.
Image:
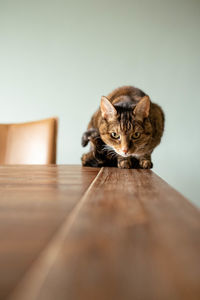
(58, 57)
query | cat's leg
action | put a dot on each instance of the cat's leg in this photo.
(96, 157)
(90, 134)
(124, 162)
(89, 159)
(145, 162)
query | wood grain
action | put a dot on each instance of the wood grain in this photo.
(34, 201)
(131, 237)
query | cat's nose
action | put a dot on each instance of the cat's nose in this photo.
(125, 150)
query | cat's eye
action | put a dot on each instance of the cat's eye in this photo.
(115, 136)
(136, 135)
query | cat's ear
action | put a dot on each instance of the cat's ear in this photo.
(107, 109)
(141, 111)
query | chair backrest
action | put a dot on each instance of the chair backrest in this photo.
(29, 143)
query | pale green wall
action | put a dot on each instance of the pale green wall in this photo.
(58, 57)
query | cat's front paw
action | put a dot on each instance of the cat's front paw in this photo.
(146, 164)
(124, 164)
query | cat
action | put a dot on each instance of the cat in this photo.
(124, 131)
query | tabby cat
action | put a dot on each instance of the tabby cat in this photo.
(124, 131)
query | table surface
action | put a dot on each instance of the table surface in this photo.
(77, 233)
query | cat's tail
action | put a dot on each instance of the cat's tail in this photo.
(90, 134)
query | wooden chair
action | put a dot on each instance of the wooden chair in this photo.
(29, 143)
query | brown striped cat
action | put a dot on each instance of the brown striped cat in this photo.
(124, 131)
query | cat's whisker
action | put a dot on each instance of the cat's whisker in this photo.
(112, 153)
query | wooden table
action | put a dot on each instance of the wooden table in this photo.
(73, 233)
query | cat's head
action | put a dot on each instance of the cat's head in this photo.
(126, 129)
